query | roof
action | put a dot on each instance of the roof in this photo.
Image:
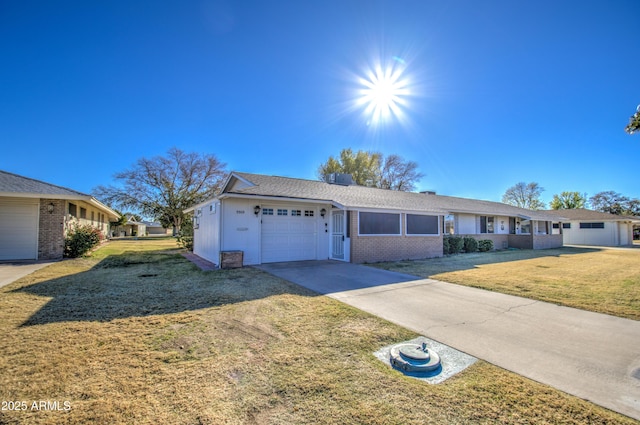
(14, 185)
(361, 197)
(588, 215)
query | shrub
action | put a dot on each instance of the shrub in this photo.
(185, 236)
(80, 240)
(470, 244)
(485, 245)
(455, 244)
(445, 245)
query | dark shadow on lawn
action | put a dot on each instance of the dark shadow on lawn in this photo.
(458, 262)
(138, 284)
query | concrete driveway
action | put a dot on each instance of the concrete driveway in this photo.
(10, 272)
(590, 355)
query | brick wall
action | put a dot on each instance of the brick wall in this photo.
(371, 249)
(547, 241)
(51, 230)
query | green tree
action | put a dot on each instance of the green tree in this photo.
(363, 166)
(634, 122)
(568, 201)
(373, 169)
(524, 195)
(163, 186)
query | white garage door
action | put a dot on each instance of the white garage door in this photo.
(288, 234)
(18, 229)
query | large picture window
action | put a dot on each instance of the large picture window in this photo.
(422, 224)
(379, 223)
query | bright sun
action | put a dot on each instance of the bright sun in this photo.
(384, 93)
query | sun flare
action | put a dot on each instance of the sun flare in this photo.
(383, 93)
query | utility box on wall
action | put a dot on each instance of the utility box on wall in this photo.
(231, 259)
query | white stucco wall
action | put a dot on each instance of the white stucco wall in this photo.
(602, 237)
(241, 229)
(206, 238)
(466, 224)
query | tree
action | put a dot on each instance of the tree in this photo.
(373, 169)
(615, 203)
(524, 195)
(163, 186)
(398, 174)
(568, 201)
(634, 122)
(363, 166)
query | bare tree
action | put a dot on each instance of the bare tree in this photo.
(398, 174)
(634, 122)
(615, 203)
(163, 186)
(524, 195)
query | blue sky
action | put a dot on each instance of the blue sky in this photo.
(499, 91)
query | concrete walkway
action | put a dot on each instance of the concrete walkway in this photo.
(592, 356)
(10, 272)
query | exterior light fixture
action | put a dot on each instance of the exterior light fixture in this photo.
(256, 210)
(323, 212)
(50, 207)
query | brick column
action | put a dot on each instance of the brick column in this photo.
(51, 230)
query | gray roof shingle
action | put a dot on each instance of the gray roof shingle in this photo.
(586, 215)
(13, 183)
(354, 197)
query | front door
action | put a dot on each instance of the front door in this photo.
(337, 235)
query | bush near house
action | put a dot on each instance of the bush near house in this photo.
(80, 240)
(470, 244)
(452, 245)
(485, 245)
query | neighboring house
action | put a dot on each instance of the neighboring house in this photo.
(273, 219)
(35, 217)
(131, 228)
(587, 227)
(155, 229)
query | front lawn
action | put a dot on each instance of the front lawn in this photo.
(135, 334)
(601, 280)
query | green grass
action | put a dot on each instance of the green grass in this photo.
(600, 280)
(138, 335)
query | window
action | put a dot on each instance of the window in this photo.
(556, 225)
(422, 224)
(267, 211)
(92, 217)
(525, 226)
(73, 210)
(543, 227)
(379, 223)
(296, 213)
(449, 224)
(308, 213)
(282, 212)
(487, 224)
(592, 225)
(83, 212)
(566, 225)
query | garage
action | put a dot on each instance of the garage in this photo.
(18, 229)
(288, 234)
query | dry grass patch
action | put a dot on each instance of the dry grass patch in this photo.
(605, 281)
(227, 347)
